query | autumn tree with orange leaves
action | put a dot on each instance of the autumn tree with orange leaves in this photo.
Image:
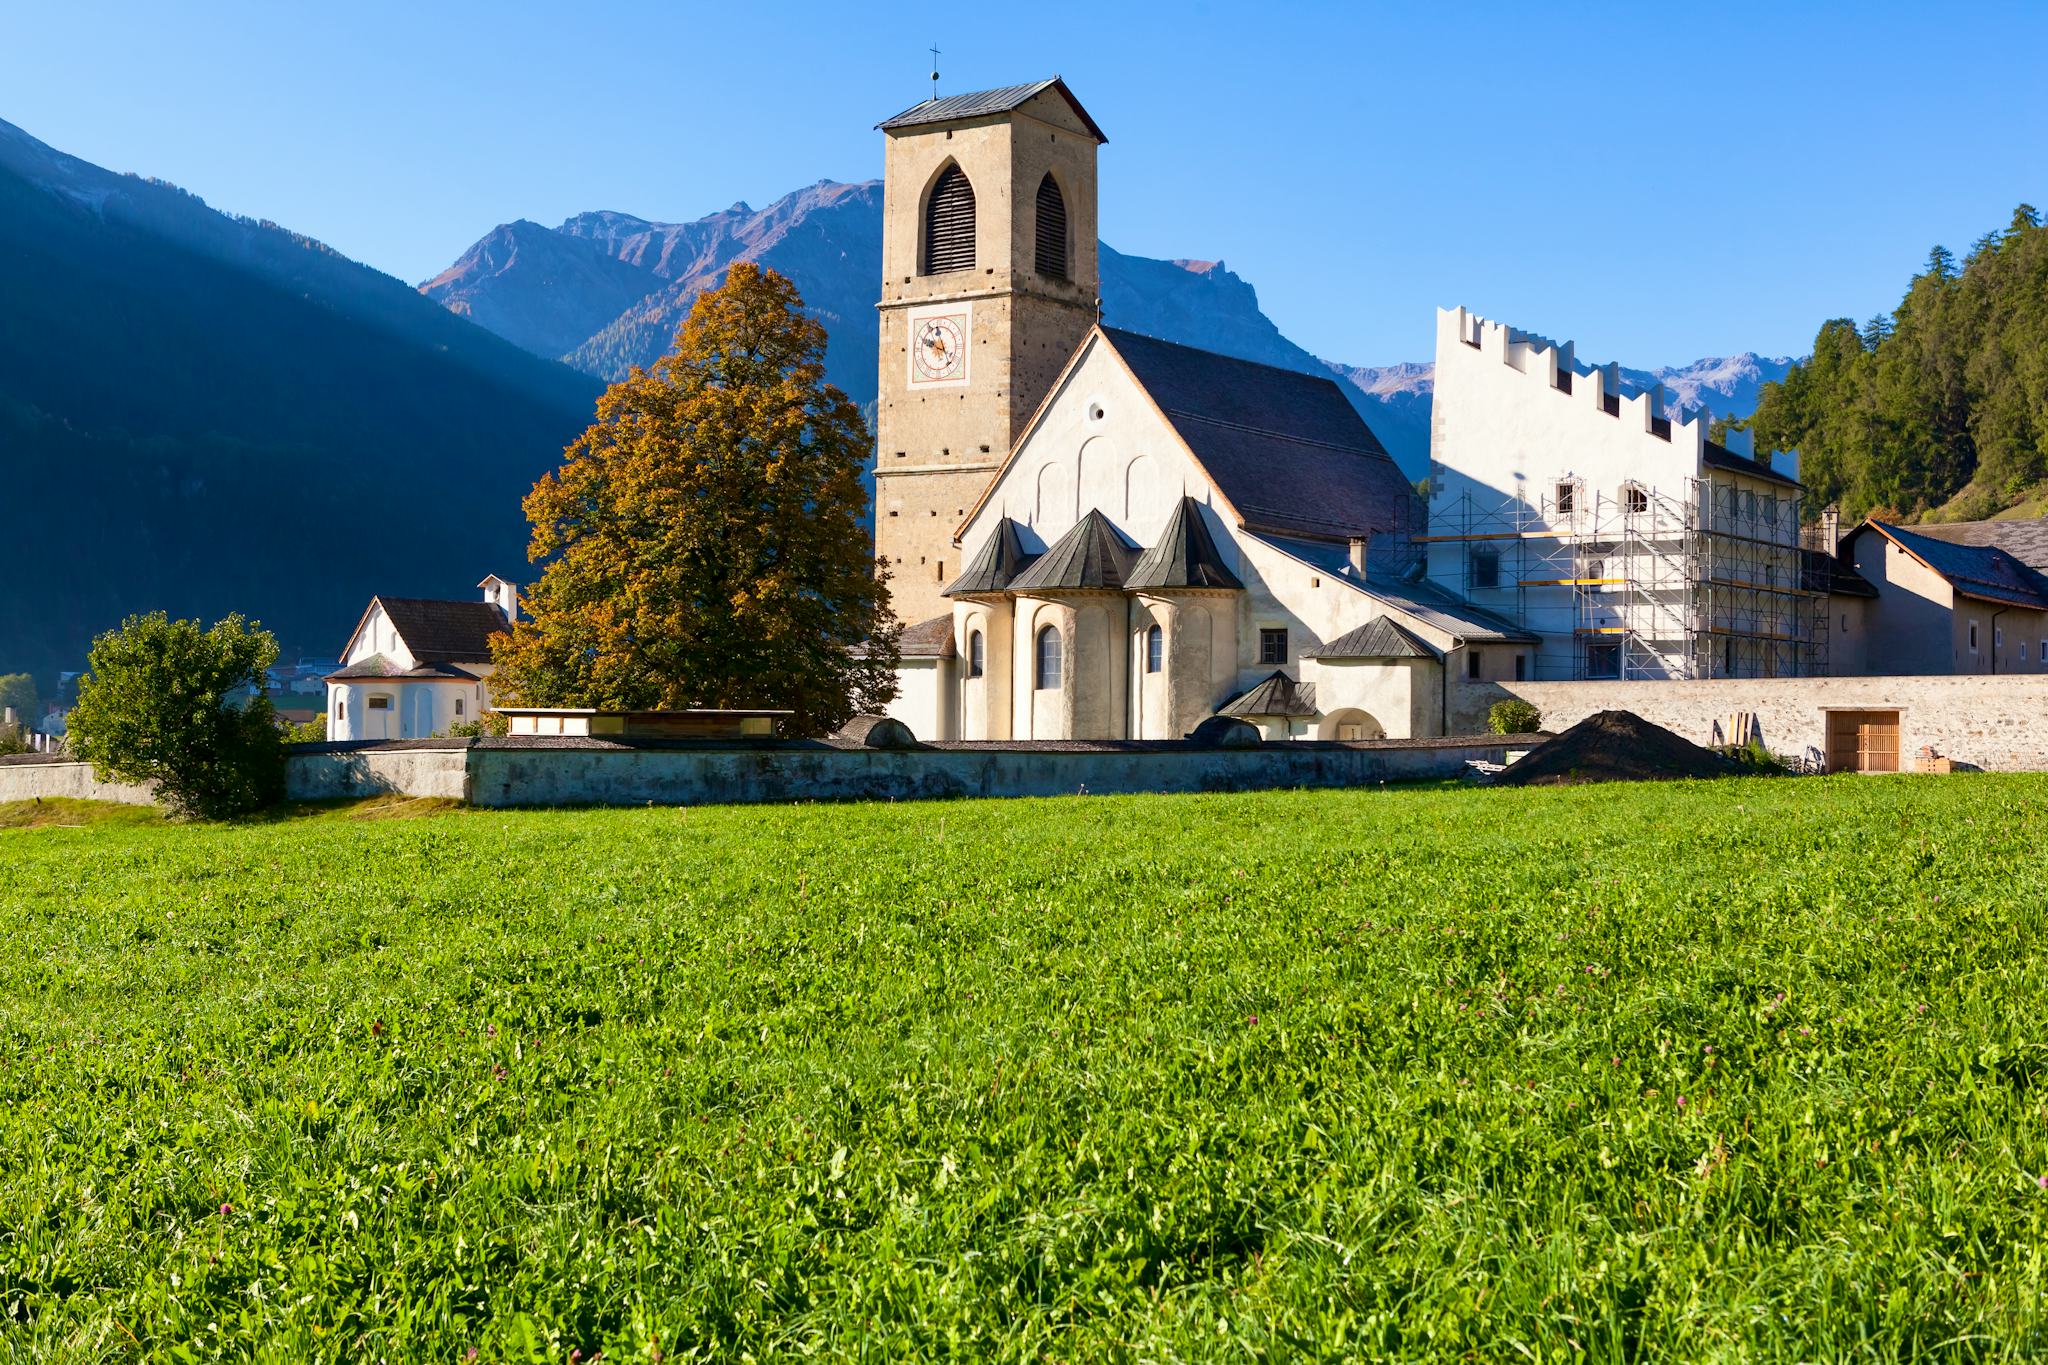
(702, 539)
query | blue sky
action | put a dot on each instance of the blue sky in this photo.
(1657, 183)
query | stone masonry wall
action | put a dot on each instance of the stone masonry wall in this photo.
(1992, 722)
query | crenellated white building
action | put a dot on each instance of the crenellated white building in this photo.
(1607, 524)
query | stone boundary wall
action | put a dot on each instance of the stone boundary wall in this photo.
(1995, 722)
(575, 772)
(28, 777)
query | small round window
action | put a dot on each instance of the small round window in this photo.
(1095, 412)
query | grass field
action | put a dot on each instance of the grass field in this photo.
(1752, 1070)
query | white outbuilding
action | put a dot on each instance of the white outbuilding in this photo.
(416, 666)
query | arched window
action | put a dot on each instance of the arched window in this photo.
(1048, 657)
(1052, 229)
(1155, 650)
(949, 224)
(976, 659)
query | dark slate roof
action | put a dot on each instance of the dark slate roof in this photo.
(2024, 539)
(1287, 449)
(1378, 638)
(1092, 555)
(1718, 456)
(1833, 574)
(1416, 598)
(1001, 558)
(443, 632)
(931, 639)
(1184, 557)
(1984, 572)
(1278, 695)
(377, 668)
(979, 102)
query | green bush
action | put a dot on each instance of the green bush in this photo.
(312, 731)
(1514, 717)
(158, 705)
(489, 723)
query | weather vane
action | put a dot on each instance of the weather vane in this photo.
(935, 70)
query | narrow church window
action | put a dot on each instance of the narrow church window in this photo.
(1155, 650)
(1521, 668)
(976, 658)
(949, 224)
(458, 706)
(1052, 229)
(1567, 498)
(1049, 657)
(341, 710)
(1471, 663)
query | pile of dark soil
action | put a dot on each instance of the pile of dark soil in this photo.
(1614, 746)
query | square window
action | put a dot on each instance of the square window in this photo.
(1603, 661)
(1567, 499)
(1635, 499)
(1486, 568)
(380, 703)
(1273, 646)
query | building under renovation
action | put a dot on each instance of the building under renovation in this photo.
(1614, 531)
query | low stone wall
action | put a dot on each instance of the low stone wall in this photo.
(27, 777)
(501, 775)
(1993, 722)
(339, 772)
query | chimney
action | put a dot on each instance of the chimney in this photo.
(1358, 555)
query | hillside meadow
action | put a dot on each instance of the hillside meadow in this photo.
(1749, 1070)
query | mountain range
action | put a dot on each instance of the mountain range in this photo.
(203, 413)
(604, 292)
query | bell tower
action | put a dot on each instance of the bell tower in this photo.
(988, 284)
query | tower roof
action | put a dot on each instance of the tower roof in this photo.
(1000, 560)
(1092, 555)
(1185, 555)
(979, 102)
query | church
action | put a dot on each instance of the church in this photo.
(1098, 535)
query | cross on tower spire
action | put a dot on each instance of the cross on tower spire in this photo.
(935, 70)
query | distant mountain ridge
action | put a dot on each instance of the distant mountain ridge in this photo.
(205, 414)
(606, 291)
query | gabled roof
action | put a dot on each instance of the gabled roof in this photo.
(1714, 455)
(1278, 695)
(1983, 572)
(435, 630)
(2025, 539)
(1185, 555)
(1001, 558)
(1286, 449)
(1378, 638)
(445, 632)
(1418, 599)
(979, 102)
(1092, 555)
(931, 639)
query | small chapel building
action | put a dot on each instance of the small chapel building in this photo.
(415, 666)
(1096, 534)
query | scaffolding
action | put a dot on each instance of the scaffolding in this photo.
(1716, 582)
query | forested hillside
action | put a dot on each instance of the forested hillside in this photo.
(1939, 409)
(207, 414)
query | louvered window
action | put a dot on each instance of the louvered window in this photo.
(1052, 230)
(949, 224)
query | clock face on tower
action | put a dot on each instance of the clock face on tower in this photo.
(938, 346)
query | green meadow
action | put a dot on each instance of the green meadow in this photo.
(1753, 1070)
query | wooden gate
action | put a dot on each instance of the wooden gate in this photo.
(1863, 741)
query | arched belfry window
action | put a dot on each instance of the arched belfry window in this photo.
(949, 224)
(1052, 229)
(1155, 650)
